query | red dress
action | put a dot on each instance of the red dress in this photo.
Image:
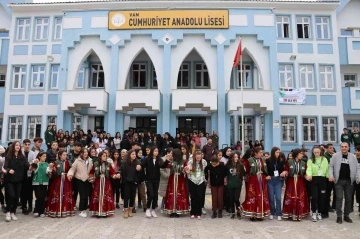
(60, 202)
(177, 197)
(256, 204)
(296, 205)
(102, 197)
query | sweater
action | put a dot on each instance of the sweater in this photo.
(234, 180)
(20, 166)
(152, 171)
(355, 138)
(128, 171)
(346, 138)
(40, 177)
(80, 169)
(313, 168)
(216, 174)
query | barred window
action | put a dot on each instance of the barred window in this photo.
(288, 125)
(310, 130)
(34, 127)
(329, 129)
(248, 128)
(15, 128)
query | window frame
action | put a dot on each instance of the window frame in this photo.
(355, 81)
(32, 87)
(49, 117)
(139, 70)
(322, 27)
(97, 73)
(23, 30)
(51, 87)
(282, 22)
(237, 82)
(20, 73)
(33, 126)
(309, 124)
(18, 125)
(3, 79)
(55, 28)
(44, 36)
(285, 72)
(288, 125)
(325, 73)
(154, 77)
(328, 125)
(202, 71)
(82, 70)
(307, 76)
(181, 70)
(303, 23)
(77, 125)
(246, 129)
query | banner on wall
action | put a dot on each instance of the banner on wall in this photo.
(292, 96)
(169, 19)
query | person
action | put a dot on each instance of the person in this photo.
(296, 204)
(356, 186)
(275, 167)
(176, 199)
(49, 136)
(16, 167)
(102, 197)
(164, 178)
(256, 204)
(2, 162)
(343, 171)
(116, 183)
(40, 182)
(329, 151)
(60, 202)
(235, 174)
(140, 182)
(345, 137)
(316, 173)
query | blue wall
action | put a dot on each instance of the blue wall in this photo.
(4, 51)
(343, 51)
(2, 99)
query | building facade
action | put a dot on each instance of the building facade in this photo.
(85, 69)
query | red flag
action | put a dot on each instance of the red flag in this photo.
(238, 54)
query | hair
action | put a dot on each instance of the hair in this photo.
(11, 152)
(296, 152)
(36, 139)
(187, 154)
(313, 155)
(100, 156)
(62, 145)
(256, 150)
(238, 165)
(214, 159)
(169, 150)
(26, 141)
(61, 153)
(134, 144)
(177, 157)
(357, 148)
(40, 154)
(137, 151)
(198, 152)
(151, 154)
(272, 155)
(247, 154)
(128, 156)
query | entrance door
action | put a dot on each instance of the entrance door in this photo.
(99, 124)
(191, 124)
(145, 124)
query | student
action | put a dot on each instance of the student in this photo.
(215, 174)
(115, 182)
(40, 183)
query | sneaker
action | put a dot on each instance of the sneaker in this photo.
(83, 214)
(279, 218)
(13, 217)
(319, 217)
(3, 208)
(271, 217)
(314, 217)
(192, 217)
(7, 217)
(203, 211)
(232, 216)
(75, 208)
(153, 214)
(214, 215)
(36, 214)
(42, 215)
(122, 202)
(117, 206)
(148, 213)
(199, 217)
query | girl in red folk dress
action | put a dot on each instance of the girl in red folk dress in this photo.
(256, 204)
(60, 201)
(177, 198)
(102, 197)
(296, 205)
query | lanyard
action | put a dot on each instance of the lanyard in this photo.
(275, 165)
(297, 167)
(319, 165)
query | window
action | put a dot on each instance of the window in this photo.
(347, 33)
(23, 29)
(97, 76)
(303, 27)
(283, 27)
(15, 128)
(352, 124)
(138, 75)
(329, 130)
(326, 77)
(322, 27)
(55, 73)
(41, 28)
(309, 127)
(201, 75)
(246, 76)
(350, 80)
(37, 77)
(183, 76)
(2, 80)
(154, 79)
(286, 76)
(146, 124)
(262, 126)
(58, 28)
(81, 77)
(288, 125)
(52, 120)
(77, 123)
(307, 76)
(34, 127)
(19, 77)
(248, 128)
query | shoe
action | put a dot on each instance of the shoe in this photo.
(214, 215)
(117, 206)
(36, 214)
(3, 208)
(252, 219)
(331, 210)
(220, 215)
(126, 213)
(82, 214)
(42, 215)
(348, 219)
(139, 206)
(203, 211)
(176, 215)
(232, 216)
(25, 212)
(148, 213)
(271, 217)
(279, 218)
(227, 212)
(319, 217)
(339, 220)
(131, 210)
(153, 214)
(172, 215)
(192, 217)
(8, 217)
(325, 216)
(314, 218)
(13, 217)
(199, 217)
(238, 214)
(75, 208)
(122, 202)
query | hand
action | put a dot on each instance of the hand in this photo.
(118, 176)
(69, 177)
(187, 169)
(138, 168)
(51, 165)
(11, 171)
(209, 185)
(283, 174)
(268, 178)
(309, 178)
(35, 161)
(331, 179)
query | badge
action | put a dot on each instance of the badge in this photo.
(276, 173)
(320, 172)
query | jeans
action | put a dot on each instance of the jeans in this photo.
(343, 187)
(12, 194)
(217, 194)
(197, 198)
(83, 191)
(318, 192)
(152, 189)
(26, 193)
(274, 186)
(40, 194)
(130, 193)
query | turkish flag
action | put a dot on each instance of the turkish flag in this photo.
(238, 55)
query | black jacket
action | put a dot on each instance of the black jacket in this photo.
(128, 171)
(152, 171)
(19, 165)
(50, 156)
(217, 174)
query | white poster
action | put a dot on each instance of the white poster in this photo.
(292, 96)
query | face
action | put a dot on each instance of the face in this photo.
(169, 155)
(147, 151)
(330, 149)
(139, 154)
(357, 153)
(277, 153)
(198, 157)
(133, 156)
(116, 155)
(266, 156)
(123, 153)
(107, 153)
(236, 158)
(26, 147)
(17, 147)
(43, 158)
(61, 148)
(92, 153)
(290, 156)
(77, 148)
(104, 157)
(344, 148)
(54, 146)
(63, 156)
(219, 155)
(316, 152)
(300, 156)
(156, 152)
(259, 154)
(228, 152)
(183, 150)
(355, 129)
(85, 154)
(345, 131)
(209, 141)
(38, 144)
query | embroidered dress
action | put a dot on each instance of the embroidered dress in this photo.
(102, 197)
(60, 202)
(177, 199)
(256, 204)
(296, 205)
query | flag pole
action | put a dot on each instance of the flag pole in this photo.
(242, 105)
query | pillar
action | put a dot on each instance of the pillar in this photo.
(236, 128)
(166, 94)
(214, 122)
(120, 123)
(68, 119)
(110, 117)
(258, 128)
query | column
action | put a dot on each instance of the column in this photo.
(269, 132)
(236, 128)
(258, 128)
(110, 120)
(68, 119)
(214, 122)
(120, 122)
(166, 94)
(85, 122)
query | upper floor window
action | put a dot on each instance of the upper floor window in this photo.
(202, 79)
(97, 76)
(154, 84)
(183, 76)
(322, 27)
(52, 120)
(23, 29)
(246, 76)
(309, 130)
(303, 27)
(19, 77)
(2, 80)
(41, 28)
(345, 32)
(81, 78)
(34, 127)
(55, 74)
(58, 28)
(283, 26)
(329, 129)
(288, 125)
(37, 76)
(286, 76)
(139, 71)
(307, 76)
(350, 80)
(15, 128)
(326, 77)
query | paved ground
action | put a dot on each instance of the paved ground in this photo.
(164, 227)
